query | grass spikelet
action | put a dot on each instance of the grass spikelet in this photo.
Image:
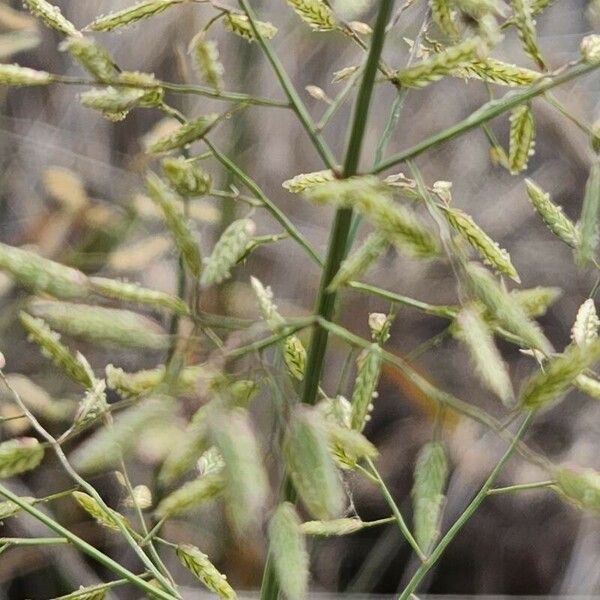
(94, 58)
(42, 275)
(131, 14)
(19, 455)
(314, 12)
(588, 385)
(294, 355)
(489, 250)
(206, 60)
(169, 204)
(588, 224)
(590, 48)
(441, 14)
(431, 472)
(230, 247)
(17, 76)
(443, 63)
(523, 19)
(109, 520)
(239, 24)
(192, 495)
(10, 509)
(185, 177)
(536, 301)
(585, 328)
(136, 294)
(305, 181)
(51, 16)
(311, 466)
(365, 385)
(495, 71)
(189, 132)
(484, 353)
(247, 483)
(348, 446)
(145, 82)
(552, 215)
(504, 308)
(522, 138)
(51, 347)
(93, 403)
(106, 326)
(360, 260)
(287, 547)
(331, 528)
(344, 74)
(92, 592)
(558, 375)
(580, 486)
(201, 567)
(103, 449)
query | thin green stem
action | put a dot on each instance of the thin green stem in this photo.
(42, 541)
(338, 101)
(521, 487)
(467, 514)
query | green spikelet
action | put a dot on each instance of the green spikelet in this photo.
(504, 308)
(367, 378)
(93, 403)
(490, 251)
(579, 486)
(310, 465)
(431, 472)
(94, 58)
(348, 446)
(247, 483)
(522, 138)
(131, 292)
(109, 519)
(198, 563)
(10, 509)
(104, 448)
(131, 14)
(169, 204)
(585, 328)
(228, 250)
(444, 63)
(185, 177)
(51, 347)
(19, 455)
(523, 19)
(113, 103)
(498, 72)
(287, 547)
(106, 326)
(359, 261)
(51, 16)
(206, 59)
(93, 592)
(305, 181)
(331, 528)
(558, 375)
(17, 76)
(314, 12)
(42, 275)
(189, 132)
(145, 82)
(192, 495)
(590, 48)
(552, 215)
(441, 14)
(486, 357)
(239, 24)
(294, 355)
(588, 224)
(536, 301)
(588, 385)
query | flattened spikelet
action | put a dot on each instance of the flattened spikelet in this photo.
(492, 70)
(239, 24)
(484, 353)
(552, 215)
(51, 16)
(588, 385)
(333, 527)
(131, 14)
(109, 519)
(17, 76)
(304, 181)
(310, 465)
(107, 326)
(228, 250)
(367, 378)
(19, 455)
(192, 495)
(523, 19)
(585, 327)
(51, 347)
(490, 251)
(199, 564)
(314, 12)
(113, 103)
(185, 177)
(441, 14)
(294, 355)
(189, 132)
(558, 375)
(10, 509)
(206, 59)
(94, 58)
(580, 486)
(536, 301)
(348, 446)
(588, 224)
(92, 592)
(522, 138)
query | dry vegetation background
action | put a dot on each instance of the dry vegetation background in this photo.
(524, 544)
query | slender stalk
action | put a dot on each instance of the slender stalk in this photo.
(42, 541)
(521, 487)
(466, 515)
